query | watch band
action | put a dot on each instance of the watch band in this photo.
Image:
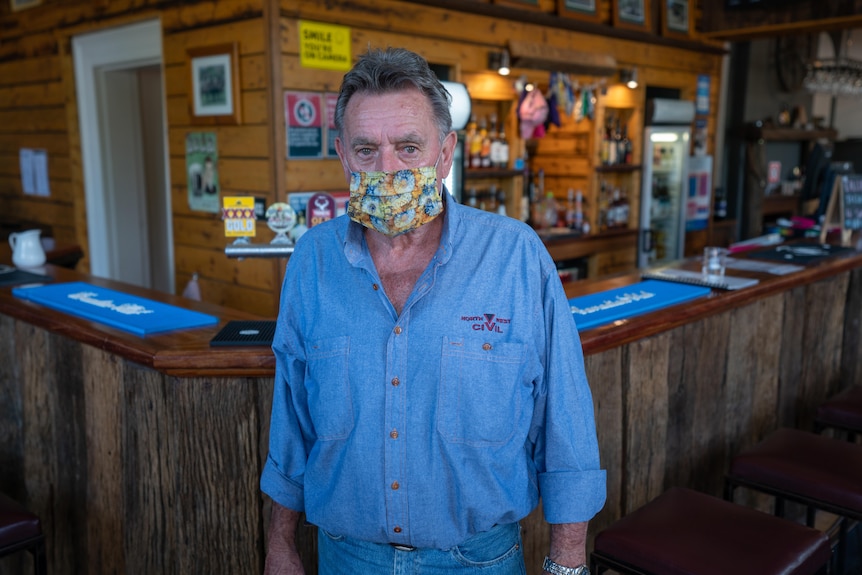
(557, 569)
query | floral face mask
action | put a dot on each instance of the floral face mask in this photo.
(393, 203)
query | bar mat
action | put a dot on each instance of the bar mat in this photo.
(237, 332)
(799, 253)
(10, 276)
(138, 315)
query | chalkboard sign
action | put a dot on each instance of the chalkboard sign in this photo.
(852, 188)
(845, 208)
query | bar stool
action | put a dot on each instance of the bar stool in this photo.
(842, 411)
(19, 530)
(817, 471)
(684, 532)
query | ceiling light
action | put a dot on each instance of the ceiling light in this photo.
(500, 62)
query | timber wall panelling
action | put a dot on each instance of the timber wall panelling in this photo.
(38, 108)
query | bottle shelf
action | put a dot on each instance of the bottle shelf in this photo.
(618, 168)
(479, 173)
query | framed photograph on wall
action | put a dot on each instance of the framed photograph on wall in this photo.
(676, 17)
(214, 90)
(632, 14)
(580, 9)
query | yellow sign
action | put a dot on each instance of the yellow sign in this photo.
(325, 46)
(238, 215)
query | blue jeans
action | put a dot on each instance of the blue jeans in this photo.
(495, 552)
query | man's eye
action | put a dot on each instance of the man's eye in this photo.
(363, 151)
(410, 149)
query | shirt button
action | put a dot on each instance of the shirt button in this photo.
(395, 485)
(375, 287)
(393, 434)
(486, 346)
(396, 529)
(398, 330)
(396, 382)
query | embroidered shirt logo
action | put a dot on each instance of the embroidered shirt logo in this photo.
(486, 322)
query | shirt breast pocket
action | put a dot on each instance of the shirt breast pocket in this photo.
(327, 382)
(480, 401)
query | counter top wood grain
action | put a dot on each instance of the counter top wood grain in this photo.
(188, 353)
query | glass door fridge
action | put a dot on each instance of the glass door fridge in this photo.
(664, 193)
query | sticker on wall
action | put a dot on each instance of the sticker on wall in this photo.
(238, 216)
(202, 172)
(331, 133)
(325, 46)
(304, 117)
(702, 99)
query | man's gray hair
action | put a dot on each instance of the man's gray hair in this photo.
(382, 71)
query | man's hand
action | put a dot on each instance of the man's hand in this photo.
(282, 557)
(569, 544)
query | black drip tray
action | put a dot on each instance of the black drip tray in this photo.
(236, 333)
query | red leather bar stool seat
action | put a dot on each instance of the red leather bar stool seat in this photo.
(21, 530)
(815, 470)
(684, 532)
(842, 411)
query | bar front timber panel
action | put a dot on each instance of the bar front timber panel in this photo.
(134, 471)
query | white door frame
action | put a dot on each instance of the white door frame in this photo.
(133, 45)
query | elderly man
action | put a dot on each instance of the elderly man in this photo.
(430, 385)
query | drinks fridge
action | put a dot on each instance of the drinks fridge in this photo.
(667, 140)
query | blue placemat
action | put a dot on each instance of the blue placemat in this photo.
(625, 302)
(130, 313)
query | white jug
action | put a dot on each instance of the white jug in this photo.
(27, 251)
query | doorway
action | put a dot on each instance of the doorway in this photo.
(121, 108)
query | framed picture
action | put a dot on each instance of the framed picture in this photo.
(676, 17)
(214, 87)
(632, 14)
(580, 9)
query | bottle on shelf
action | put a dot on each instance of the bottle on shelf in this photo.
(502, 150)
(472, 200)
(570, 209)
(469, 137)
(623, 210)
(549, 211)
(491, 203)
(626, 147)
(476, 145)
(501, 202)
(487, 139)
(603, 207)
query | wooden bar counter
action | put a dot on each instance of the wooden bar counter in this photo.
(142, 455)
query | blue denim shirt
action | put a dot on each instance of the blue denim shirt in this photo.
(426, 428)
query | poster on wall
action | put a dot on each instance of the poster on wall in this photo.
(304, 117)
(202, 172)
(331, 133)
(324, 46)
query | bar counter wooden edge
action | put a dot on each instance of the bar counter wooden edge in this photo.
(142, 455)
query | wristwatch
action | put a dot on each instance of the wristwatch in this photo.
(557, 569)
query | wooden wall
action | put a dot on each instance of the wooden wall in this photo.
(38, 108)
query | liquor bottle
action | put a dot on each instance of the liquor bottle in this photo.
(485, 151)
(603, 207)
(604, 146)
(503, 154)
(472, 200)
(550, 210)
(623, 210)
(626, 147)
(469, 137)
(494, 136)
(491, 204)
(612, 145)
(476, 145)
(501, 203)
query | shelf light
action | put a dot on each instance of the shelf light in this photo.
(500, 62)
(664, 137)
(629, 77)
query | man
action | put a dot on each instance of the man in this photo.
(429, 382)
